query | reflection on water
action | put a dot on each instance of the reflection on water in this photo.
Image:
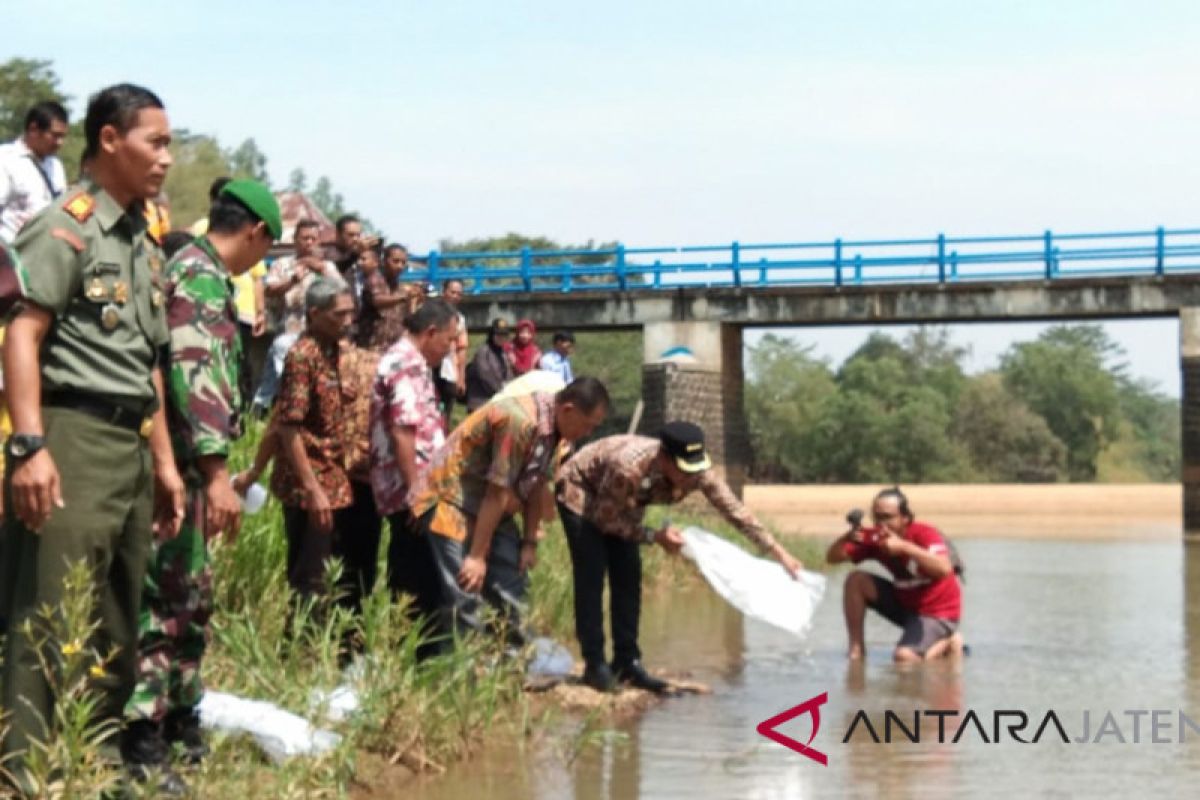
(1066, 626)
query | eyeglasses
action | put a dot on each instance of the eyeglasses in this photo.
(883, 517)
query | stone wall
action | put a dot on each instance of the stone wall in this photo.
(699, 394)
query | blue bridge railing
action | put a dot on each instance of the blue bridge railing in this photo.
(941, 259)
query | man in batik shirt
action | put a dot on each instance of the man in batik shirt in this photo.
(602, 498)
(406, 431)
(310, 477)
(496, 464)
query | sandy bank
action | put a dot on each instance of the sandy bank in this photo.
(1075, 511)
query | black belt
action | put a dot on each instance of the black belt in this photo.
(102, 409)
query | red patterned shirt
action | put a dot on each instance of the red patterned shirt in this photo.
(403, 395)
(610, 482)
(512, 443)
(310, 396)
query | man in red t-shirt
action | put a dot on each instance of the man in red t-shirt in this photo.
(924, 599)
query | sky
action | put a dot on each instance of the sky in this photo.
(686, 123)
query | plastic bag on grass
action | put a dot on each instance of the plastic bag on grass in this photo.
(281, 734)
(755, 586)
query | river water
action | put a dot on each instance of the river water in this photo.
(1053, 625)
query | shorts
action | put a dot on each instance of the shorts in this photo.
(920, 632)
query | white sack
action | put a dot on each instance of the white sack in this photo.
(757, 587)
(281, 734)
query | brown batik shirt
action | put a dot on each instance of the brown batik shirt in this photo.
(610, 482)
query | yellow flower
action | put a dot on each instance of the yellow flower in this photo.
(97, 671)
(71, 648)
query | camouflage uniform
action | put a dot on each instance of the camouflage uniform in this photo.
(203, 398)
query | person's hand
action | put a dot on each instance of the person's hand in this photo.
(36, 489)
(671, 539)
(320, 515)
(473, 571)
(260, 325)
(890, 543)
(790, 563)
(169, 499)
(460, 386)
(528, 556)
(311, 264)
(222, 508)
(242, 482)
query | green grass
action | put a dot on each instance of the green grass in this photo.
(424, 717)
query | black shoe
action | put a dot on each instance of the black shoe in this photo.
(182, 726)
(598, 676)
(634, 674)
(145, 752)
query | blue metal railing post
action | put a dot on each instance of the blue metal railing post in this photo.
(735, 258)
(433, 267)
(1048, 243)
(621, 280)
(954, 265)
(837, 262)
(858, 268)
(762, 271)
(525, 265)
(1159, 247)
(658, 273)
(941, 257)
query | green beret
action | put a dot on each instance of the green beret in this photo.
(258, 198)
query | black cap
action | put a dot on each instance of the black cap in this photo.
(500, 326)
(684, 442)
(564, 336)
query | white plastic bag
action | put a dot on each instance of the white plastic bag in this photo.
(757, 587)
(281, 734)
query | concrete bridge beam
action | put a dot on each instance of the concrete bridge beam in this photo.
(707, 391)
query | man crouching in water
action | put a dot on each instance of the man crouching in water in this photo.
(924, 600)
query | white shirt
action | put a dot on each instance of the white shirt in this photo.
(449, 369)
(23, 189)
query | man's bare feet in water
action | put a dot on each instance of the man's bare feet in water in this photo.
(856, 652)
(950, 646)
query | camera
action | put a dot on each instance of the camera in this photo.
(855, 517)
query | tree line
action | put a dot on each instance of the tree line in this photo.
(1060, 408)
(200, 158)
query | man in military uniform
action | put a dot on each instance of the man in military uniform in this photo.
(203, 410)
(90, 454)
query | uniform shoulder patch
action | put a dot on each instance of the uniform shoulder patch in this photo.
(80, 206)
(68, 237)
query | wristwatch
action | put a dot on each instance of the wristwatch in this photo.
(23, 445)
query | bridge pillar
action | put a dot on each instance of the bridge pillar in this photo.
(706, 389)
(1189, 356)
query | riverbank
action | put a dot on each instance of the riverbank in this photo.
(1019, 511)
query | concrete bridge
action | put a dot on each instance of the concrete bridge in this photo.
(709, 320)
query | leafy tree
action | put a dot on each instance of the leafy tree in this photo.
(25, 82)
(514, 243)
(297, 181)
(199, 160)
(325, 198)
(1004, 440)
(247, 161)
(786, 392)
(1065, 377)
(1154, 424)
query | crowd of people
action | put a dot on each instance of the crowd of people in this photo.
(128, 369)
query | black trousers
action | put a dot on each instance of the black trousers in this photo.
(447, 393)
(411, 568)
(354, 539)
(594, 556)
(504, 586)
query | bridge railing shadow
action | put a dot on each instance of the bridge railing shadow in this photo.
(942, 259)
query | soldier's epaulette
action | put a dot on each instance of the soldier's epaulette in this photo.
(80, 206)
